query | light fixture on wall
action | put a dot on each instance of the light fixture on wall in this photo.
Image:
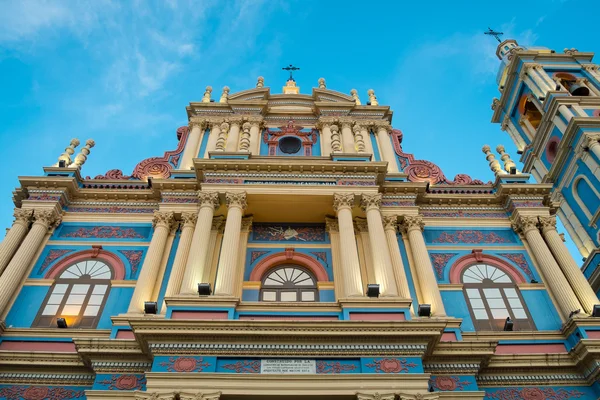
(373, 290)
(204, 289)
(534, 281)
(150, 307)
(508, 325)
(596, 310)
(61, 323)
(424, 310)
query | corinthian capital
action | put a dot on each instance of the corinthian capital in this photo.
(163, 218)
(548, 223)
(246, 224)
(48, 218)
(361, 224)
(23, 216)
(331, 225)
(413, 222)
(208, 199)
(370, 201)
(236, 199)
(189, 218)
(199, 122)
(525, 224)
(390, 223)
(341, 200)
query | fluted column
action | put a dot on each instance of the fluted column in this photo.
(18, 265)
(347, 137)
(196, 267)
(233, 137)
(241, 260)
(145, 284)
(325, 138)
(366, 137)
(342, 204)
(188, 219)
(14, 236)
(385, 146)
(193, 145)
(579, 283)
(557, 283)
(215, 132)
(380, 252)
(426, 278)
(331, 225)
(390, 226)
(245, 140)
(255, 136)
(226, 271)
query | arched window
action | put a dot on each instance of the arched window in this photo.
(530, 112)
(289, 283)
(78, 295)
(492, 297)
(570, 83)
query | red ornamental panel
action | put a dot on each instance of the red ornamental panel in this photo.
(124, 382)
(534, 393)
(185, 364)
(38, 393)
(448, 383)
(244, 367)
(391, 365)
(324, 367)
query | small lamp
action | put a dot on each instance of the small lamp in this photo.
(204, 289)
(61, 323)
(596, 311)
(508, 325)
(424, 310)
(373, 290)
(513, 170)
(150, 307)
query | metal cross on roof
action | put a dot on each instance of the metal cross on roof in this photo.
(291, 68)
(495, 34)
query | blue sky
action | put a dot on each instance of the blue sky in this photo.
(122, 72)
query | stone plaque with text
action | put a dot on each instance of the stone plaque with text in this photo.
(276, 366)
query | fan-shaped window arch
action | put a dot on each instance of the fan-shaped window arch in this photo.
(78, 294)
(289, 283)
(492, 296)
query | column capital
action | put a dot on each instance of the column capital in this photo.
(331, 225)
(49, 218)
(208, 199)
(370, 201)
(343, 200)
(548, 223)
(236, 199)
(413, 222)
(246, 224)
(361, 224)
(217, 223)
(346, 123)
(334, 128)
(162, 218)
(390, 223)
(381, 125)
(525, 224)
(23, 216)
(189, 219)
(235, 120)
(505, 122)
(591, 140)
(195, 121)
(224, 126)
(214, 122)
(375, 396)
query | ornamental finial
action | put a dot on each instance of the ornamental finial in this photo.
(82, 156)
(260, 82)
(505, 157)
(322, 84)
(224, 95)
(372, 97)
(354, 94)
(69, 151)
(207, 92)
(494, 164)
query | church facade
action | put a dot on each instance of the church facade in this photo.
(289, 246)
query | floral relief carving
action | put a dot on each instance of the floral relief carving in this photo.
(104, 232)
(162, 218)
(534, 393)
(343, 200)
(470, 237)
(244, 367)
(439, 261)
(368, 202)
(234, 199)
(124, 382)
(23, 216)
(38, 393)
(288, 233)
(185, 364)
(520, 260)
(413, 222)
(448, 383)
(333, 367)
(254, 255)
(210, 199)
(391, 365)
(51, 257)
(134, 257)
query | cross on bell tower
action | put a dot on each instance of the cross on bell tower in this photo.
(290, 86)
(494, 33)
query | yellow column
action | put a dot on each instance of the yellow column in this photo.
(226, 271)
(390, 225)
(215, 132)
(347, 137)
(222, 138)
(366, 137)
(426, 278)
(336, 142)
(145, 284)
(255, 136)
(385, 145)
(565, 297)
(382, 261)
(331, 225)
(14, 236)
(188, 219)
(359, 139)
(192, 147)
(233, 137)
(17, 267)
(594, 145)
(196, 267)
(245, 140)
(241, 260)
(325, 138)
(342, 204)
(579, 283)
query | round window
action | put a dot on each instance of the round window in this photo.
(290, 145)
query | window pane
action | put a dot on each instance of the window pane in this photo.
(510, 292)
(71, 310)
(496, 303)
(492, 293)
(502, 279)
(515, 303)
(76, 299)
(80, 289)
(96, 299)
(99, 289)
(308, 296)
(50, 310)
(61, 288)
(480, 314)
(273, 282)
(56, 298)
(519, 313)
(473, 293)
(269, 296)
(91, 311)
(469, 279)
(477, 303)
(289, 296)
(306, 282)
(499, 313)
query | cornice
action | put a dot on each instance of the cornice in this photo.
(27, 361)
(56, 333)
(46, 378)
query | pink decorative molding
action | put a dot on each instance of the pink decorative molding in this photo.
(185, 364)
(289, 317)
(16, 392)
(271, 137)
(478, 257)
(125, 335)
(534, 393)
(124, 382)
(391, 365)
(449, 337)
(545, 348)
(292, 257)
(354, 316)
(94, 254)
(53, 347)
(199, 315)
(448, 383)
(593, 334)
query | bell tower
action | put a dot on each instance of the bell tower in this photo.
(550, 107)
